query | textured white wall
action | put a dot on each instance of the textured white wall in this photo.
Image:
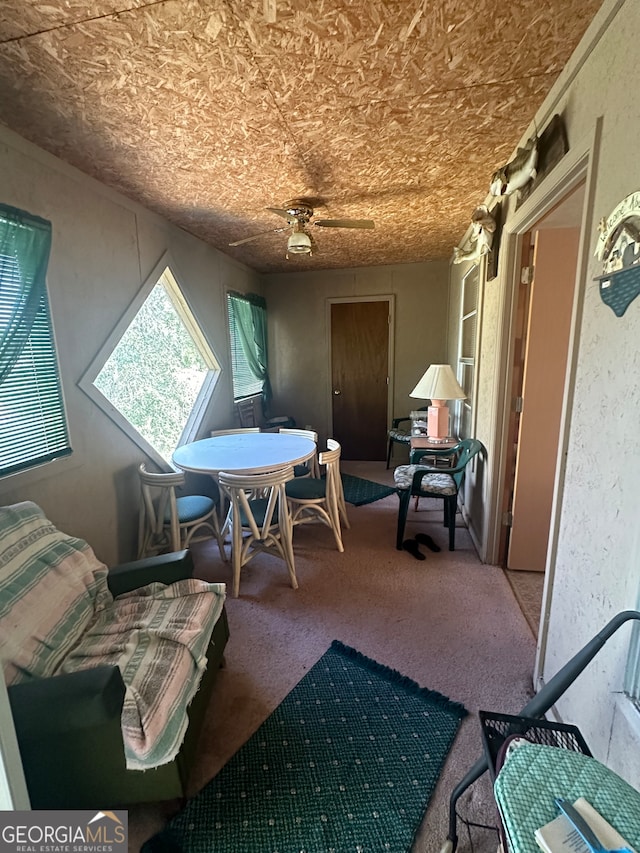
(597, 562)
(597, 571)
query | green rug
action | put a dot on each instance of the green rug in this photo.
(358, 491)
(348, 761)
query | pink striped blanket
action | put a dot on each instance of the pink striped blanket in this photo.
(57, 615)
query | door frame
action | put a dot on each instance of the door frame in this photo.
(577, 166)
(389, 298)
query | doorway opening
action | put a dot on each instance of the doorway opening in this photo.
(540, 349)
(541, 333)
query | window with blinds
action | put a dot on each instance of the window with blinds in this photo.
(245, 383)
(33, 424)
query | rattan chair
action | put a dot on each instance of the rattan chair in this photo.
(310, 467)
(170, 523)
(259, 524)
(215, 432)
(320, 499)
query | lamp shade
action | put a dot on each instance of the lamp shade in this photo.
(438, 383)
(299, 243)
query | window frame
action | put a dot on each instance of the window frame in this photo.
(465, 362)
(256, 392)
(165, 268)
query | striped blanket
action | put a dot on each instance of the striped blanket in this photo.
(57, 615)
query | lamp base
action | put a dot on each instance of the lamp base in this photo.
(438, 421)
(446, 440)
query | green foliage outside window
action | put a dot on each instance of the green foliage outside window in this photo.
(155, 373)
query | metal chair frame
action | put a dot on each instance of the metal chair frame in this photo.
(537, 708)
(233, 431)
(405, 438)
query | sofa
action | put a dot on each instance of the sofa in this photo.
(109, 671)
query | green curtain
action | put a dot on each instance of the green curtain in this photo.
(250, 312)
(25, 244)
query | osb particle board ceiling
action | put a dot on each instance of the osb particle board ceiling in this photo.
(210, 111)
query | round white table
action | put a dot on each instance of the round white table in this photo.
(244, 453)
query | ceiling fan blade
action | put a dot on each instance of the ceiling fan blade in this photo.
(261, 234)
(345, 223)
(279, 211)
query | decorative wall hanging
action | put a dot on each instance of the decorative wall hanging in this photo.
(552, 146)
(532, 163)
(483, 226)
(618, 248)
(492, 258)
(517, 172)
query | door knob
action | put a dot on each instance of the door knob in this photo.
(337, 392)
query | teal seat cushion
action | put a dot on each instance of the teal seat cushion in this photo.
(258, 509)
(201, 484)
(306, 488)
(534, 774)
(190, 508)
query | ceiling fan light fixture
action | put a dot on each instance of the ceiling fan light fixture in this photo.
(299, 243)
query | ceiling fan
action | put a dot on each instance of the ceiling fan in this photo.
(299, 214)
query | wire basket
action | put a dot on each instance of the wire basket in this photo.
(496, 728)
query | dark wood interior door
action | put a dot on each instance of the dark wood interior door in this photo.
(360, 379)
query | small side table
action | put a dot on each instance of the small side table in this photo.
(423, 442)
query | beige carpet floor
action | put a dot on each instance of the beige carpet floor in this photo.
(527, 588)
(448, 622)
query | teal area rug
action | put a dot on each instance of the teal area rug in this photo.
(358, 491)
(348, 761)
